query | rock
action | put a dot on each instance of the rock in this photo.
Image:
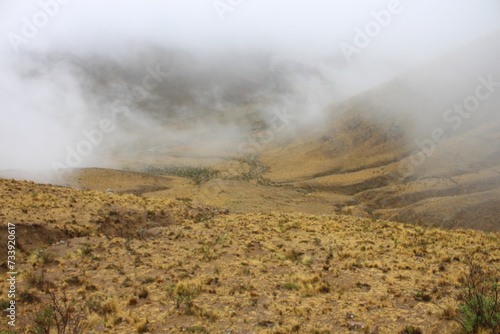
(100, 328)
(349, 316)
(354, 325)
(269, 324)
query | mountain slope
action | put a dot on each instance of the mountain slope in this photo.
(377, 148)
(128, 264)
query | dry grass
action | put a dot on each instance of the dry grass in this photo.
(192, 270)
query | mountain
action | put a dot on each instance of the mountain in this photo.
(123, 263)
(241, 214)
(380, 146)
(407, 150)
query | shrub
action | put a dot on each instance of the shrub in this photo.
(44, 320)
(86, 249)
(39, 281)
(58, 314)
(74, 280)
(480, 297)
(27, 296)
(143, 293)
(411, 330)
(143, 327)
(4, 304)
(100, 304)
(184, 293)
(197, 174)
(46, 257)
(290, 286)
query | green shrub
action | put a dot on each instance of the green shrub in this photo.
(290, 286)
(411, 330)
(480, 297)
(4, 304)
(183, 293)
(44, 320)
(197, 174)
(11, 331)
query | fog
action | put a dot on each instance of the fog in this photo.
(131, 76)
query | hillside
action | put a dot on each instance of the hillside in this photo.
(127, 263)
(376, 148)
(372, 155)
(225, 219)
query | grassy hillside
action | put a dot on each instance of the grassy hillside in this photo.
(369, 147)
(125, 263)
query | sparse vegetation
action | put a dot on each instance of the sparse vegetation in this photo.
(38, 281)
(480, 296)
(46, 257)
(86, 249)
(58, 315)
(197, 174)
(411, 330)
(4, 304)
(43, 320)
(143, 326)
(290, 286)
(268, 272)
(184, 293)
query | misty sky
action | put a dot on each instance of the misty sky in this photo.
(39, 116)
(424, 28)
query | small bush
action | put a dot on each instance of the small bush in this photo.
(143, 293)
(60, 313)
(290, 286)
(293, 255)
(148, 280)
(411, 330)
(44, 320)
(39, 281)
(46, 257)
(208, 251)
(449, 312)
(99, 304)
(184, 293)
(86, 249)
(4, 304)
(74, 280)
(197, 329)
(28, 297)
(197, 174)
(143, 327)
(480, 297)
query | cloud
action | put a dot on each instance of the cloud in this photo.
(75, 58)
